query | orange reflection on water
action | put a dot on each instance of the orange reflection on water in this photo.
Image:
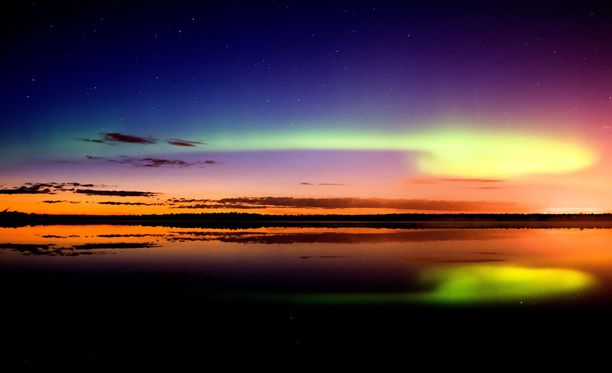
(574, 247)
(331, 259)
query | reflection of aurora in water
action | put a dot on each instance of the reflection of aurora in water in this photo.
(475, 284)
(487, 283)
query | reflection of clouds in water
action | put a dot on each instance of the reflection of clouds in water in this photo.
(130, 235)
(74, 250)
(339, 237)
(247, 237)
(58, 236)
(443, 266)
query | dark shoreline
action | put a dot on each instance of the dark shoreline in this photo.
(248, 220)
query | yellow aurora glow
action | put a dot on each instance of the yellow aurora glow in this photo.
(503, 155)
(447, 151)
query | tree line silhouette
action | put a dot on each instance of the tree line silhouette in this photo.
(239, 219)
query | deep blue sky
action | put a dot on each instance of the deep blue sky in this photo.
(250, 64)
(263, 76)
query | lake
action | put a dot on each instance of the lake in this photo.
(295, 290)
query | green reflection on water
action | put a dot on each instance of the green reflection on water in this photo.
(474, 284)
(482, 283)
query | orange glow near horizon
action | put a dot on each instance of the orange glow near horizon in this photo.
(339, 175)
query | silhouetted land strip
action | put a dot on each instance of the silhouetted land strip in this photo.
(248, 220)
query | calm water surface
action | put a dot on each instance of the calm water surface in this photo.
(328, 266)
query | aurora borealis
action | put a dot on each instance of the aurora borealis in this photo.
(306, 107)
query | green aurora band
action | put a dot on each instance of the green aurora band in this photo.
(448, 152)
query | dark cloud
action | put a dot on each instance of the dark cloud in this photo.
(50, 188)
(305, 183)
(131, 235)
(111, 138)
(187, 200)
(78, 188)
(187, 143)
(149, 161)
(118, 193)
(213, 206)
(98, 141)
(117, 137)
(95, 158)
(158, 162)
(141, 162)
(344, 203)
(116, 203)
(44, 188)
(114, 245)
(25, 189)
(59, 236)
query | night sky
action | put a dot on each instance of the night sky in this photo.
(306, 107)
